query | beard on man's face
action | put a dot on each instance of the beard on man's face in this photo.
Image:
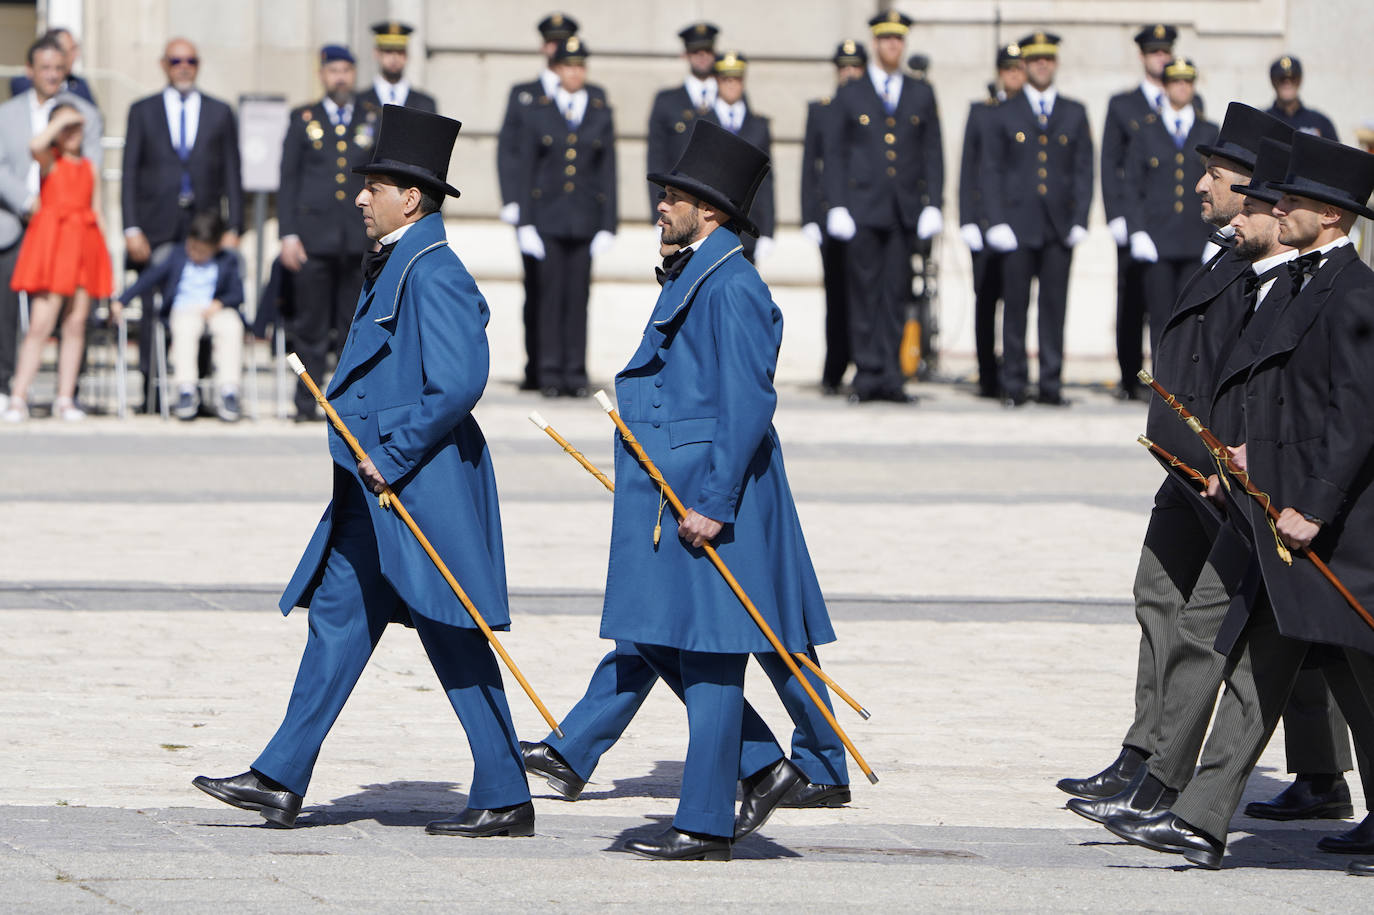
(682, 231)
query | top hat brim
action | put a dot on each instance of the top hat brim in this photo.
(1263, 192)
(418, 176)
(705, 192)
(1238, 154)
(1322, 193)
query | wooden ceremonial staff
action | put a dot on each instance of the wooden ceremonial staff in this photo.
(1222, 454)
(1174, 462)
(389, 500)
(681, 511)
(591, 468)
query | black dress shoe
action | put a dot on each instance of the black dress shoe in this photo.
(1142, 799)
(580, 390)
(1357, 841)
(898, 396)
(1360, 868)
(763, 791)
(248, 792)
(1310, 797)
(676, 845)
(828, 389)
(1111, 780)
(804, 794)
(544, 761)
(1053, 400)
(551, 391)
(1167, 833)
(1011, 401)
(498, 821)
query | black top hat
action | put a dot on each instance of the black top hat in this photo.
(1241, 133)
(571, 50)
(1270, 166)
(721, 169)
(1158, 37)
(392, 35)
(414, 146)
(699, 36)
(1007, 55)
(1330, 172)
(850, 54)
(893, 22)
(1286, 67)
(556, 27)
(1040, 44)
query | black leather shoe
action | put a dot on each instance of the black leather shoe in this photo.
(805, 794)
(1012, 401)
(498, 821)
(1112, 780)
(1143, 798)
(247, 792)
(1167, 833)
(550, 391)
(763, 791)
(1360, 868)
(1053, 400)
(1357, 841)
(1310, 797)
(544, 761)
(676, 845)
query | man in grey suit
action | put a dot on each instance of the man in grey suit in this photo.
(20, 118)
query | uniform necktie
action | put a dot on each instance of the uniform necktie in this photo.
(1044, 112)
(889, 97)
(184, 154)
(374, 261)
(1299, 268)
(1180, 135)
(673, 265)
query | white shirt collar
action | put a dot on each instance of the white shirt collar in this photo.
(395, 235)
(701, 91)
(331, 109)
(1035, 96)
(879, 77)
(1153, 94)
(1270, 262)
(572, 105)
(1326, 249)
(549, 81)
(391, 93)
(1174, 118)
(730, 115)
(173, 102)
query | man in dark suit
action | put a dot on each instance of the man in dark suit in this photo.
(973, 220)
(675, 108)
(512, 167)
(72, 83)
(1038, 165)
(181, 156)
(851, 61)
(321, 238)
(567, 202)
(1306, 384)
(1285, 75)
(1126, 114)
(390, 86)
(732, 111)
(884, 177)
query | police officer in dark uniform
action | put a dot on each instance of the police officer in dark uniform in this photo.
(1167, 237)
(567, 212)
(987, 263)
(1285, 74)
(731, 110)
(883, 181)
(1038, 169)
(322, 239)
(675, 108)
(1126, 113)
(511, 167)
(390, 86)
(851, 61)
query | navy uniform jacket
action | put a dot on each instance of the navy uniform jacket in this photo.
(165, 278)
(756, 129)
(567, 187)
(884, 168)
(1308, 395)
(670, 122)
(1126, 112)
(420, 101)
(511, 150)
(698, 394)
(971, 208)
(318, 186)
(151, 182)
(414, 366)
(813, 202)
(1307, 121)
(1159, 184)
(1038, 181)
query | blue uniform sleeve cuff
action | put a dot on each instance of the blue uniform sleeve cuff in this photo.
(717, 506)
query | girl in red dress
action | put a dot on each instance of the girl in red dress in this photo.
(63, 263)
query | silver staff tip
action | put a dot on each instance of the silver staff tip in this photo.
(605, 401)
(872, 778)
(538, 420)
(296, 364)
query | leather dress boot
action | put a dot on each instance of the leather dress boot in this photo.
(1310, 797)
(476, 822)
(544, 761)
(1360, 868)
(804, 794)
(1111, 780)
(676, 845)
(1167, 833)
(763, 791)
(248, 792)
(1145, 797)
(1357, 841)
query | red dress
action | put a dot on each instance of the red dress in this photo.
(63, 249)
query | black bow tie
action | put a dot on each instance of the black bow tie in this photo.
(673, 265)
(1299, 268)
(374, 261)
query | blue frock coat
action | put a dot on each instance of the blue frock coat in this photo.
(414, 365)
(698, 394)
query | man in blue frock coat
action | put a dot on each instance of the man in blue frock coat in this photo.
(698, 394)
(414, 365)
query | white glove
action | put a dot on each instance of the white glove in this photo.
(762, 248)
(1076, 235)
(1001, 238)
(530, 242)
(1143, 248)
(840, 224)
(929, 224)
(1210, 251)
(812, 233)
(972, 237)
(510, 214)
(601, 242)
(1119, 232)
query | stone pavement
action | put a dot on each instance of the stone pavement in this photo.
(978, 564)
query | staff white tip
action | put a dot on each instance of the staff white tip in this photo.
(605, 401)
(296, 364)
(538, 420)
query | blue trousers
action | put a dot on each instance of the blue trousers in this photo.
(622, 681)
(348, 615)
